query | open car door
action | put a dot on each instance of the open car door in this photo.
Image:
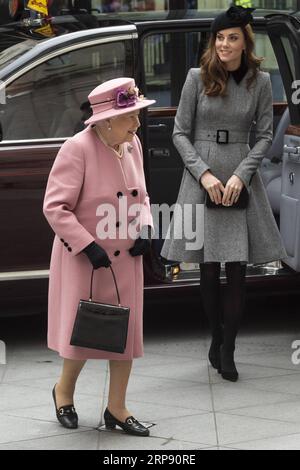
(284, 33)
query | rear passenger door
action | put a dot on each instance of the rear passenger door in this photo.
(284, 34)
(168, 51)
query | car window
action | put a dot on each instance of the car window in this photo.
(263, 48)
(167, 58)
(51, 100)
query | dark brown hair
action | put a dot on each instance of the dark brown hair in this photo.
(213, 72)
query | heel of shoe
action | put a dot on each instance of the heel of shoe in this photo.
(109, 420)
(214, 354)
(214, 360)
(110, 425)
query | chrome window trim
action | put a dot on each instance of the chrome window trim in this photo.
(18, 143)
(65, 50)
(274, 268)
(24, 275)
(64, 40)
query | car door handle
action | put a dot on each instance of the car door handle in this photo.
(158, 127)
(293, 150)
(293, 153)
(159, 153)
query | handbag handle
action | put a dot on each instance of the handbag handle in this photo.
(115, 282)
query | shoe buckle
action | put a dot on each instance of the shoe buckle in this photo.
(63, 411)
(220, 138)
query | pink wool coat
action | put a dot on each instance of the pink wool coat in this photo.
(86, 174)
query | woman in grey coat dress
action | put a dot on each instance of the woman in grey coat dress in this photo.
(228, 93)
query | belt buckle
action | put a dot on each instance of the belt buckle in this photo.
(218, 136)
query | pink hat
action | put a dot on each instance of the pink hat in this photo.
(115, 97)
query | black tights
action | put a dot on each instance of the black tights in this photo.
(234, 300)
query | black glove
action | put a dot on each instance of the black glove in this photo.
(97, 256)
(143, 243)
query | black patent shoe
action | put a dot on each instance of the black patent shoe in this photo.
(227, 367)
(66, 414)
(131, 425)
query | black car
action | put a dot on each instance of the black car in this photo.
(47, 69)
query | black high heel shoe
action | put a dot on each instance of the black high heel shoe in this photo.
(227, 367)
(66, 414)
(131, 425)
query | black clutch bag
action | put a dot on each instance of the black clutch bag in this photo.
(101, 326)
(241, 203)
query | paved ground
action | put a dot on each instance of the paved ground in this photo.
(172, 386)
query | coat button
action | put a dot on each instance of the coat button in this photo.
(116, 253)
(69, 249)
(62, 240)
(118, 224)
(66, 244)
(134, 193)
(119, 194)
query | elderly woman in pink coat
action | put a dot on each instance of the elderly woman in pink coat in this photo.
(101, 165)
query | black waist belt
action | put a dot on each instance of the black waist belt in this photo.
(223, 136)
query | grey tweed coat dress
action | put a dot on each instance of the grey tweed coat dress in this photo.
(247, 235)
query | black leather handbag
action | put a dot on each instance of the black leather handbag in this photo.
(101, 326)
(241, 203)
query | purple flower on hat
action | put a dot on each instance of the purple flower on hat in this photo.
(240, 15)
(127, 97)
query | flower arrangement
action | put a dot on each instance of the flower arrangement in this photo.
(129, 97)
